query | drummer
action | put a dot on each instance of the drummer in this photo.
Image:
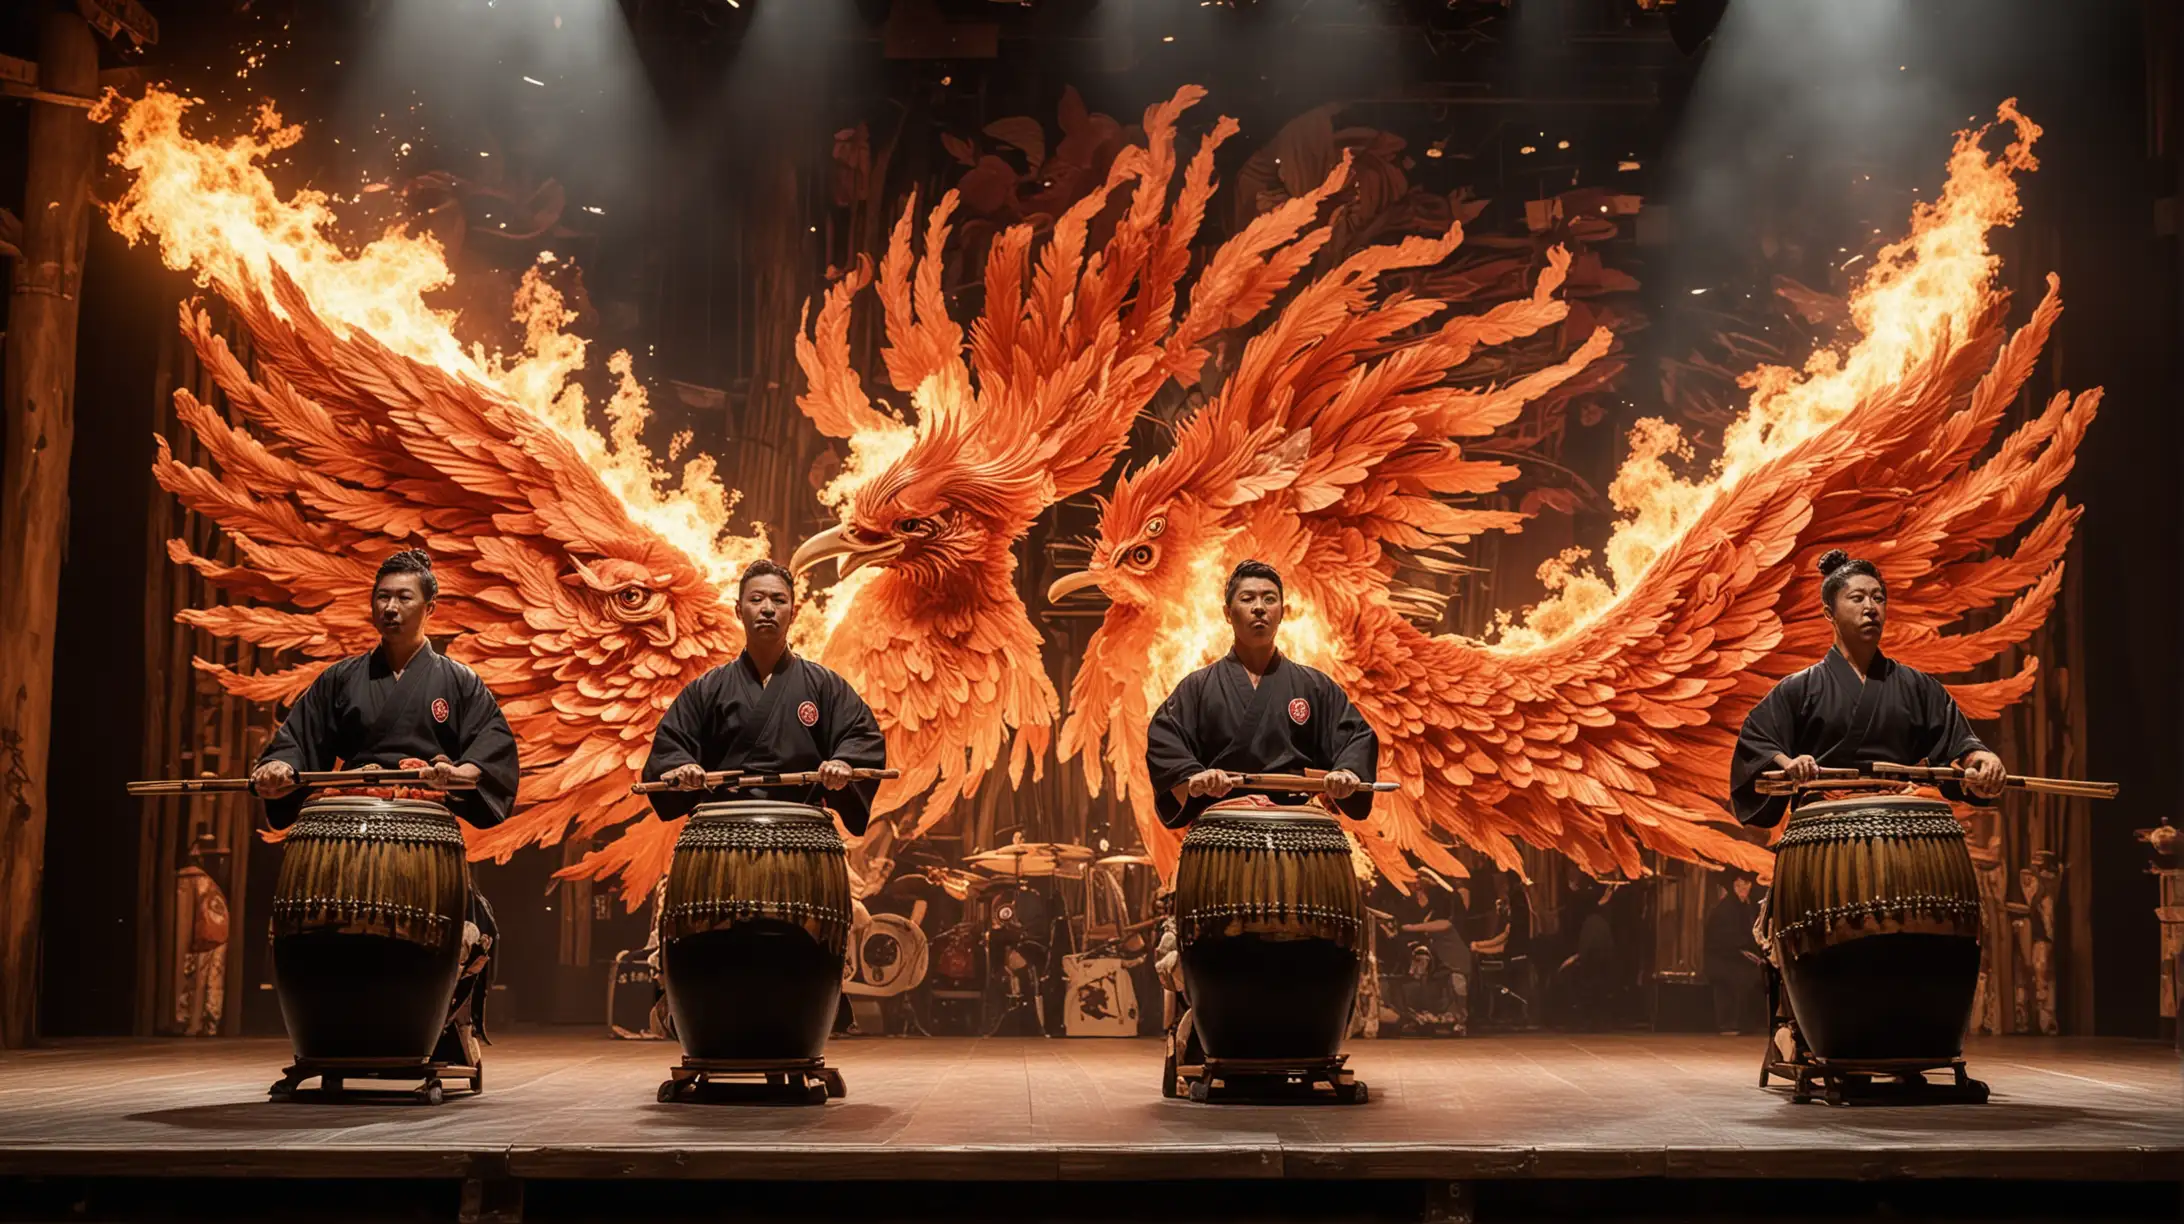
(404, 705)
(1255, 710)
(769, 711)
(1855, 707)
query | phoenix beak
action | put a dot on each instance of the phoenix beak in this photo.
(850, 555)
(1070, 584)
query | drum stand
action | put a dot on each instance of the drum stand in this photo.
(1187, 1072)
(796, 1081)
(1855, 1081)
(334, 1073)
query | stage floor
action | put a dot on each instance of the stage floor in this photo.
(561, 1106)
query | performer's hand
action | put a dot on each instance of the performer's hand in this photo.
(834, 775)
(1802, 769)
(273, 779)
(445, 773)
(1213, 783)
(1340, 783)
(688, 777)
(1983, 774)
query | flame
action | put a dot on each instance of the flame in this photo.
(211, 209)
(1190, 633)
(1919, 290)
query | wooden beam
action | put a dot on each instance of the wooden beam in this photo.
(39, 401)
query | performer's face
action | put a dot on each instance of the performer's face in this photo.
(1255, 611)
(1861, 610)
(399, 606)
(765, 608)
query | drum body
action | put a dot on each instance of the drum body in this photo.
(1270, 924)
(754, 930)
(368, 920)
(1875, 919)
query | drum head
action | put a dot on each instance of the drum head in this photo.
(891, 958)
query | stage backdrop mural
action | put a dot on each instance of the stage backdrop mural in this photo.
(1337, 427)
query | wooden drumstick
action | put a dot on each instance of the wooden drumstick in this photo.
(1779, 786)
(737, 777)
(2071, 787)
(370, 776)
(1780, 775)
(1301, 784)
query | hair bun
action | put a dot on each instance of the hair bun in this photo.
(1833, 560)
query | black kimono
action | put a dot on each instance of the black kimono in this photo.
(1897, 714)
(1296, 719)
(357, 713)
(730, 718)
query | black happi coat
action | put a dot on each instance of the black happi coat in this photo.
(1296, 719)
(1898, 714)
(357, 713)
(730, 718)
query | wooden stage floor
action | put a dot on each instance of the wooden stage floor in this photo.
(562, 1106)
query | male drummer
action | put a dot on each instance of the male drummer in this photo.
(1254, 710)
(769, 711)
(404, 705)
(1855, 707)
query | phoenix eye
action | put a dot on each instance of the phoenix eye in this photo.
(914, 526)
(1142, 555)
(631, 596)
(1156, 526)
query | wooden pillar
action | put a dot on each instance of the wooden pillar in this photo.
(40, 405)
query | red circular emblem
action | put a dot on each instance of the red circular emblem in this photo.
(808, 714)
(1299, 711)
(439, 709)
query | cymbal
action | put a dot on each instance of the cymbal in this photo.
(1127, 860)
(1016, 860)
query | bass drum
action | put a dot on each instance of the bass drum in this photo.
(889, 958)
(1271, 925)
(754, 931)
(1875, 917)
(368, 919)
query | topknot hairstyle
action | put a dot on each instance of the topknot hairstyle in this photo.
(412, 561)
(1838, 567)
(1252, 568)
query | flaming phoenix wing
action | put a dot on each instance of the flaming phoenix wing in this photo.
(1606, 723)
(939, 641)
(572, 580)
(583, 624)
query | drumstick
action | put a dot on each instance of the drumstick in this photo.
(371, 776)
(1301, 784)
(725, 777)
(2047, 786)
(1781, 787)
(1777, 775)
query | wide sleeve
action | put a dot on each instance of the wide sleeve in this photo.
(1770, 728)
(305, 742)
(489, 745)
(854, 740)
(1947, 734)
(1172, 753)
(1351, 745)
(680, 740)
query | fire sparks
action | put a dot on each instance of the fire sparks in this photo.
(1918, 290)
(212, 210)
